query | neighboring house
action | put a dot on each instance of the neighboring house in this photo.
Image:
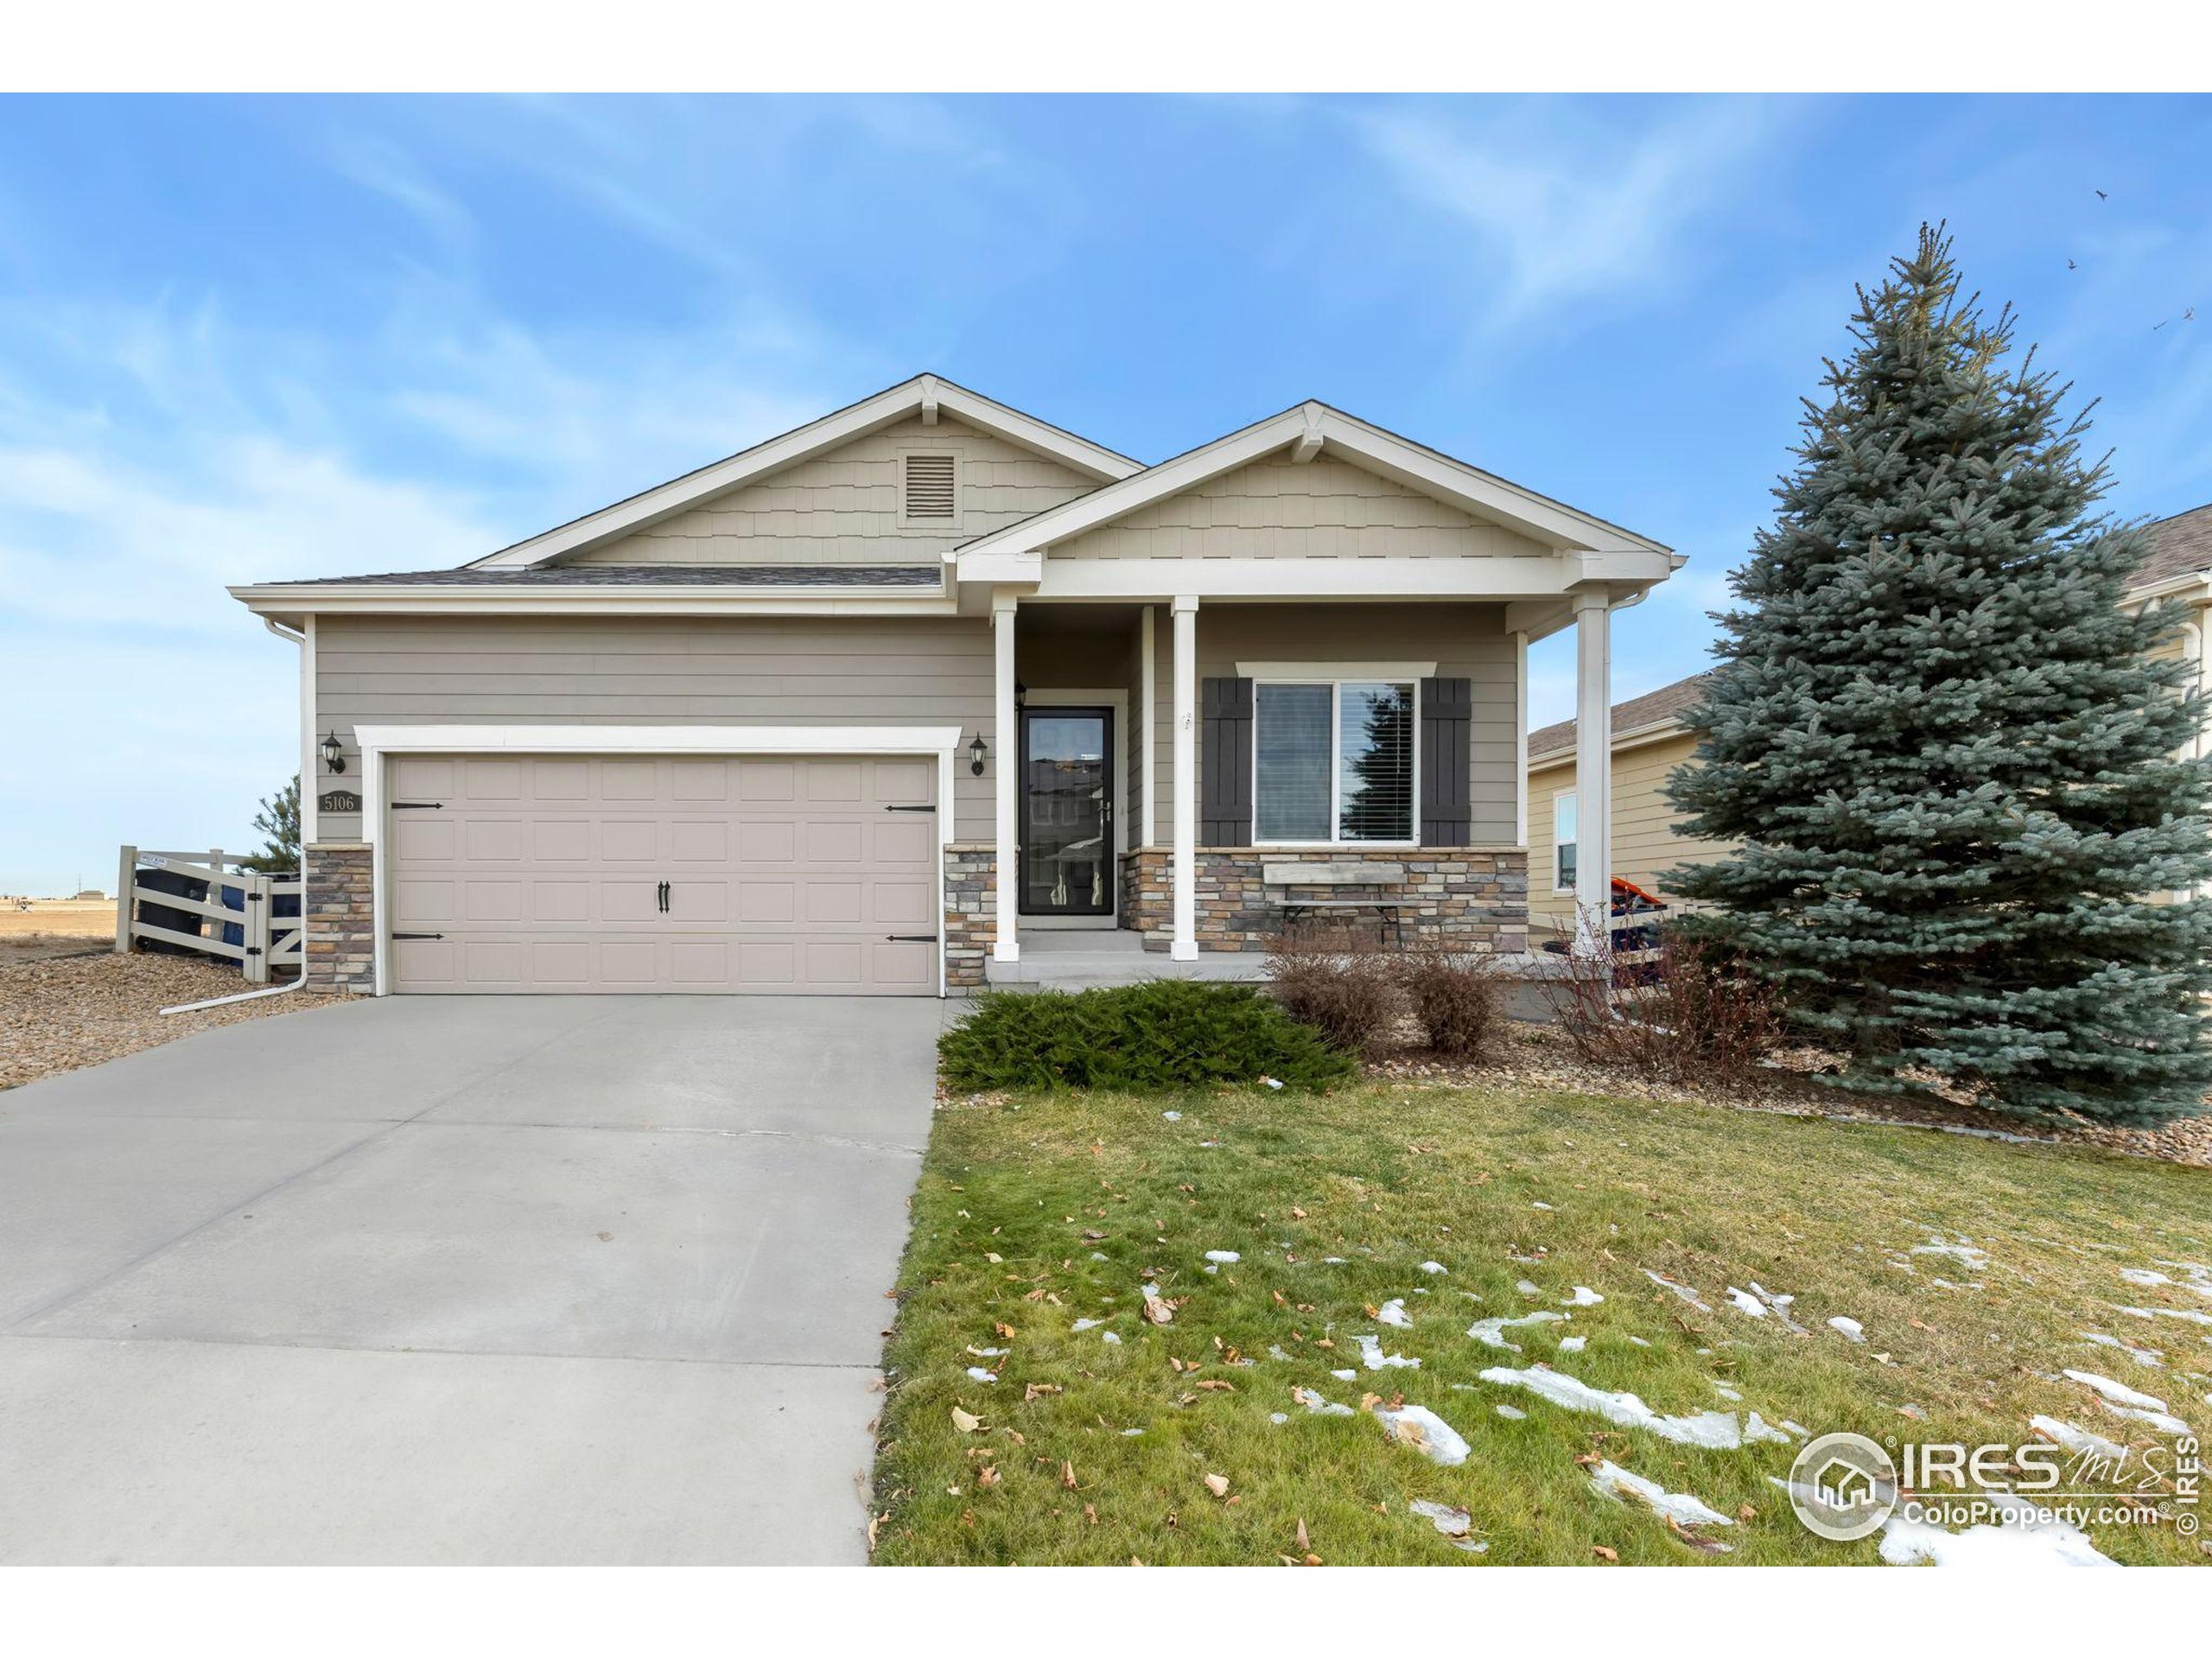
(1650, 739)
(779, 725)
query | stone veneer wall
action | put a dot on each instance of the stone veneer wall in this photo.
(970, 914)
(339, 903)
(1476, 897)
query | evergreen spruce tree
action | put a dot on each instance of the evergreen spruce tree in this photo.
(1956, 772)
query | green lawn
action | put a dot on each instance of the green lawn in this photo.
(1035, 1212)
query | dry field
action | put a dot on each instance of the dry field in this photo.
(54, 927)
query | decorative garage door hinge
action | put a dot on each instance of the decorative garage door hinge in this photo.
(910, 809)
(418, 806)
(911, 938)
(418, 936)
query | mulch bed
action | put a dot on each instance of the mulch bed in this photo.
(76, 1011)
(1537, 1057)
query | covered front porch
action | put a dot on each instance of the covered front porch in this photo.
(1177, 779)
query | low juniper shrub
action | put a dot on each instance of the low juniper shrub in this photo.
(1163, 1034)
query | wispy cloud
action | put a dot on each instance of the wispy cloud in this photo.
(1579, 218)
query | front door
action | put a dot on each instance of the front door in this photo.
(1067, 812)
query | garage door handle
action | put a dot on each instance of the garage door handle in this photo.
(910, 809)
(911, 938)
(418, 806)
(418, 936)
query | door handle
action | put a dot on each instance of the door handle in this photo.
(664, 898)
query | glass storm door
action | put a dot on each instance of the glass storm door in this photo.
(1067, 812)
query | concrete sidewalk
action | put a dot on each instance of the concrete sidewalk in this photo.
(460, 1280)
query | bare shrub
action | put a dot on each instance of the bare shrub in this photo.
(1339, 983)
(1454, 995)
(1688, 1012)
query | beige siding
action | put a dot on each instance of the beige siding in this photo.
(842, 507)
(1466, 641)
(1276, 508)
(1645, 846)
(813, 671)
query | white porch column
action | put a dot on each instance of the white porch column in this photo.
(1521, 741)
(1007, 945)
(1593, 772)
(1185, 947)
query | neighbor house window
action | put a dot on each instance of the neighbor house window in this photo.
(1563, 842)
(1332, 762)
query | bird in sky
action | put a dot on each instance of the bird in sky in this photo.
(2102, 197)
(2069, 264)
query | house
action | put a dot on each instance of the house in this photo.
(873, 705)
(1650, 739)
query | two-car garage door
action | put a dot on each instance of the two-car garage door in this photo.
(575, 873)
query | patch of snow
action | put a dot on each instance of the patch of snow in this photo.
(1274, 1351)
(1539, 1206)
(1849, 1330)
(1491, 1332)
(1714, 1430)
(1526, 1288)
(1131, 1433)
(1100, 1255)
(2026, 1536)
(1573, 1344)
(1224, 1257)
(978, 1374)
(1333, 1261)
(1434, 1267)
(1314, 1403)
(1112, 1337)
(1426, 1433)
(2140, 1356)
(1798, 1429)
(2187, 1313)
(1345, 1376)
(1725, 1392)
(1394, 1313)
(1511, 1414)
(988, 1353)
(1173, 1117)
(1746, 1303)
(2077, 1439)
(2143, 1276)
(1610, 1480)
(1682, 1290)
(1372, 1356)
(1756, 1428)
(2128, 1402)
(1086, 1325)
(1777, 1304)
(1583, 1297)
(1640, 1342)
(1960, 1249)
(1278, 1417)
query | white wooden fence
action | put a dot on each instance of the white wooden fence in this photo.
(269, 941)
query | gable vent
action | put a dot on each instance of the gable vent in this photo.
(929, 487)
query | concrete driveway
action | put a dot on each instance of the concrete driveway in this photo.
(460, 1280)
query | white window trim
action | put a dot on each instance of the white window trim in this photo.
(931, 526)
(376, 742)
(1558, 797)
(1336, 676)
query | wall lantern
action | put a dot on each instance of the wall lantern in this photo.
(975, 753)
(332, 755)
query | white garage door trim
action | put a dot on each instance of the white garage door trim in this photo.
(379, 742)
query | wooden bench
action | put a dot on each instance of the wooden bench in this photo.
(1280, 880)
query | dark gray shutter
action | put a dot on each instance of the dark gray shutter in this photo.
(1225, 763)
(1447, 738)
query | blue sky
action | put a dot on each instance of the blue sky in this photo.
(251, 338)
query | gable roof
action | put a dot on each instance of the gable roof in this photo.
(926, 395)
(2180, 546)
(1652, 708)
(1306, 429)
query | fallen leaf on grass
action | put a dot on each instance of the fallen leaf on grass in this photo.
(1217, 1484)
(987, 1476)
(1067, 1476)
(1604, 1553)
(1037, 1390)
(1217, 1385)
(966, 1422)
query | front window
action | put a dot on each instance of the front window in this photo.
(1333, 761)
(1563, 842)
